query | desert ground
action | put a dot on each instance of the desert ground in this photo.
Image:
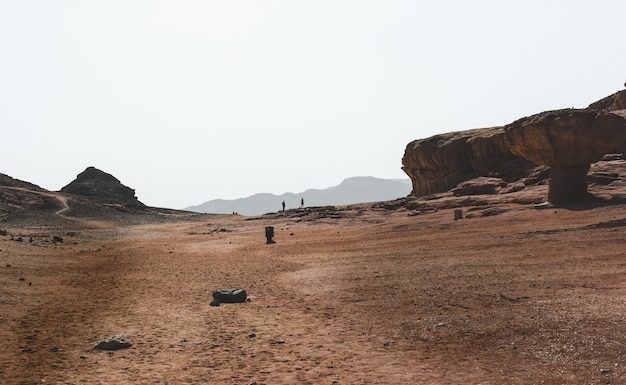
(369, 295)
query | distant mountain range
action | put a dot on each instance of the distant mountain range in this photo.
(352, 190)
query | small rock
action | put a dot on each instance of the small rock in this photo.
(278, 341)
(605, 370)
(3, 233)
(251, 335)
(230, 295)
(252, 383)
(54, 349)
(56, 239)
(543, 206)
(8, 265)
(114, 343)
(22, 279)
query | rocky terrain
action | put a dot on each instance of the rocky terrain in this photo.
(93, 194)
(565, 141)
(473, 279)
(395, 293)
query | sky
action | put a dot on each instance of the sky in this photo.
(188, 101)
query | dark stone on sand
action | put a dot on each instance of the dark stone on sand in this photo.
(114, 343)
(230, 295)
(56, 239)
(4, 233)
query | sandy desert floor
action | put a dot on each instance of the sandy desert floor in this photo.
(525, 297)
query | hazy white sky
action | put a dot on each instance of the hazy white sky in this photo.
(186, 101)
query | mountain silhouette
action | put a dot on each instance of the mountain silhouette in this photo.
(352, 190)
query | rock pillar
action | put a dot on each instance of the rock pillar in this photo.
(567, 184)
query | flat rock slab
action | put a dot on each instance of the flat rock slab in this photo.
(230, 295)
(114, 343)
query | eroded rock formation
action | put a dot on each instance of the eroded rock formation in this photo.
(567, 141)
(439, 163)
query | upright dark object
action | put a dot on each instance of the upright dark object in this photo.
(269, 234)
(458, 214)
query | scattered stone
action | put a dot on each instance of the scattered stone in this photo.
(605, 370)
(4, 233)
(83, 357)
(230, 295)
(543, 206)
(57, 239)
(114, 343)
(278, 341)
(54, 349)
(251, 335)
(8, 265)
(479, 186)
(22, 279)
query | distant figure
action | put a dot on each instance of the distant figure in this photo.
(283, 205)
(301, 202)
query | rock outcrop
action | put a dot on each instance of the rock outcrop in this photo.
(439, 163)
(103, 187)
(567, 141)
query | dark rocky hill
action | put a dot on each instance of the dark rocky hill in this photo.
(104, 187)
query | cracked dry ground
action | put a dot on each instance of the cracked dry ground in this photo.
(525, 297)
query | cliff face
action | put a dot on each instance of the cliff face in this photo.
(439, 163)
(567, 141)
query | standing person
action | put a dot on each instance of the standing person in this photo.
(283, 205)
(301, 202)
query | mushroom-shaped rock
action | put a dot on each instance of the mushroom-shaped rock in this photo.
(568, 141)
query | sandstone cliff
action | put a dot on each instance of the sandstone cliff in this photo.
(439, 163)
(568, 141)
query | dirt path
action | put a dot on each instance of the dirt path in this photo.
(65, 207)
